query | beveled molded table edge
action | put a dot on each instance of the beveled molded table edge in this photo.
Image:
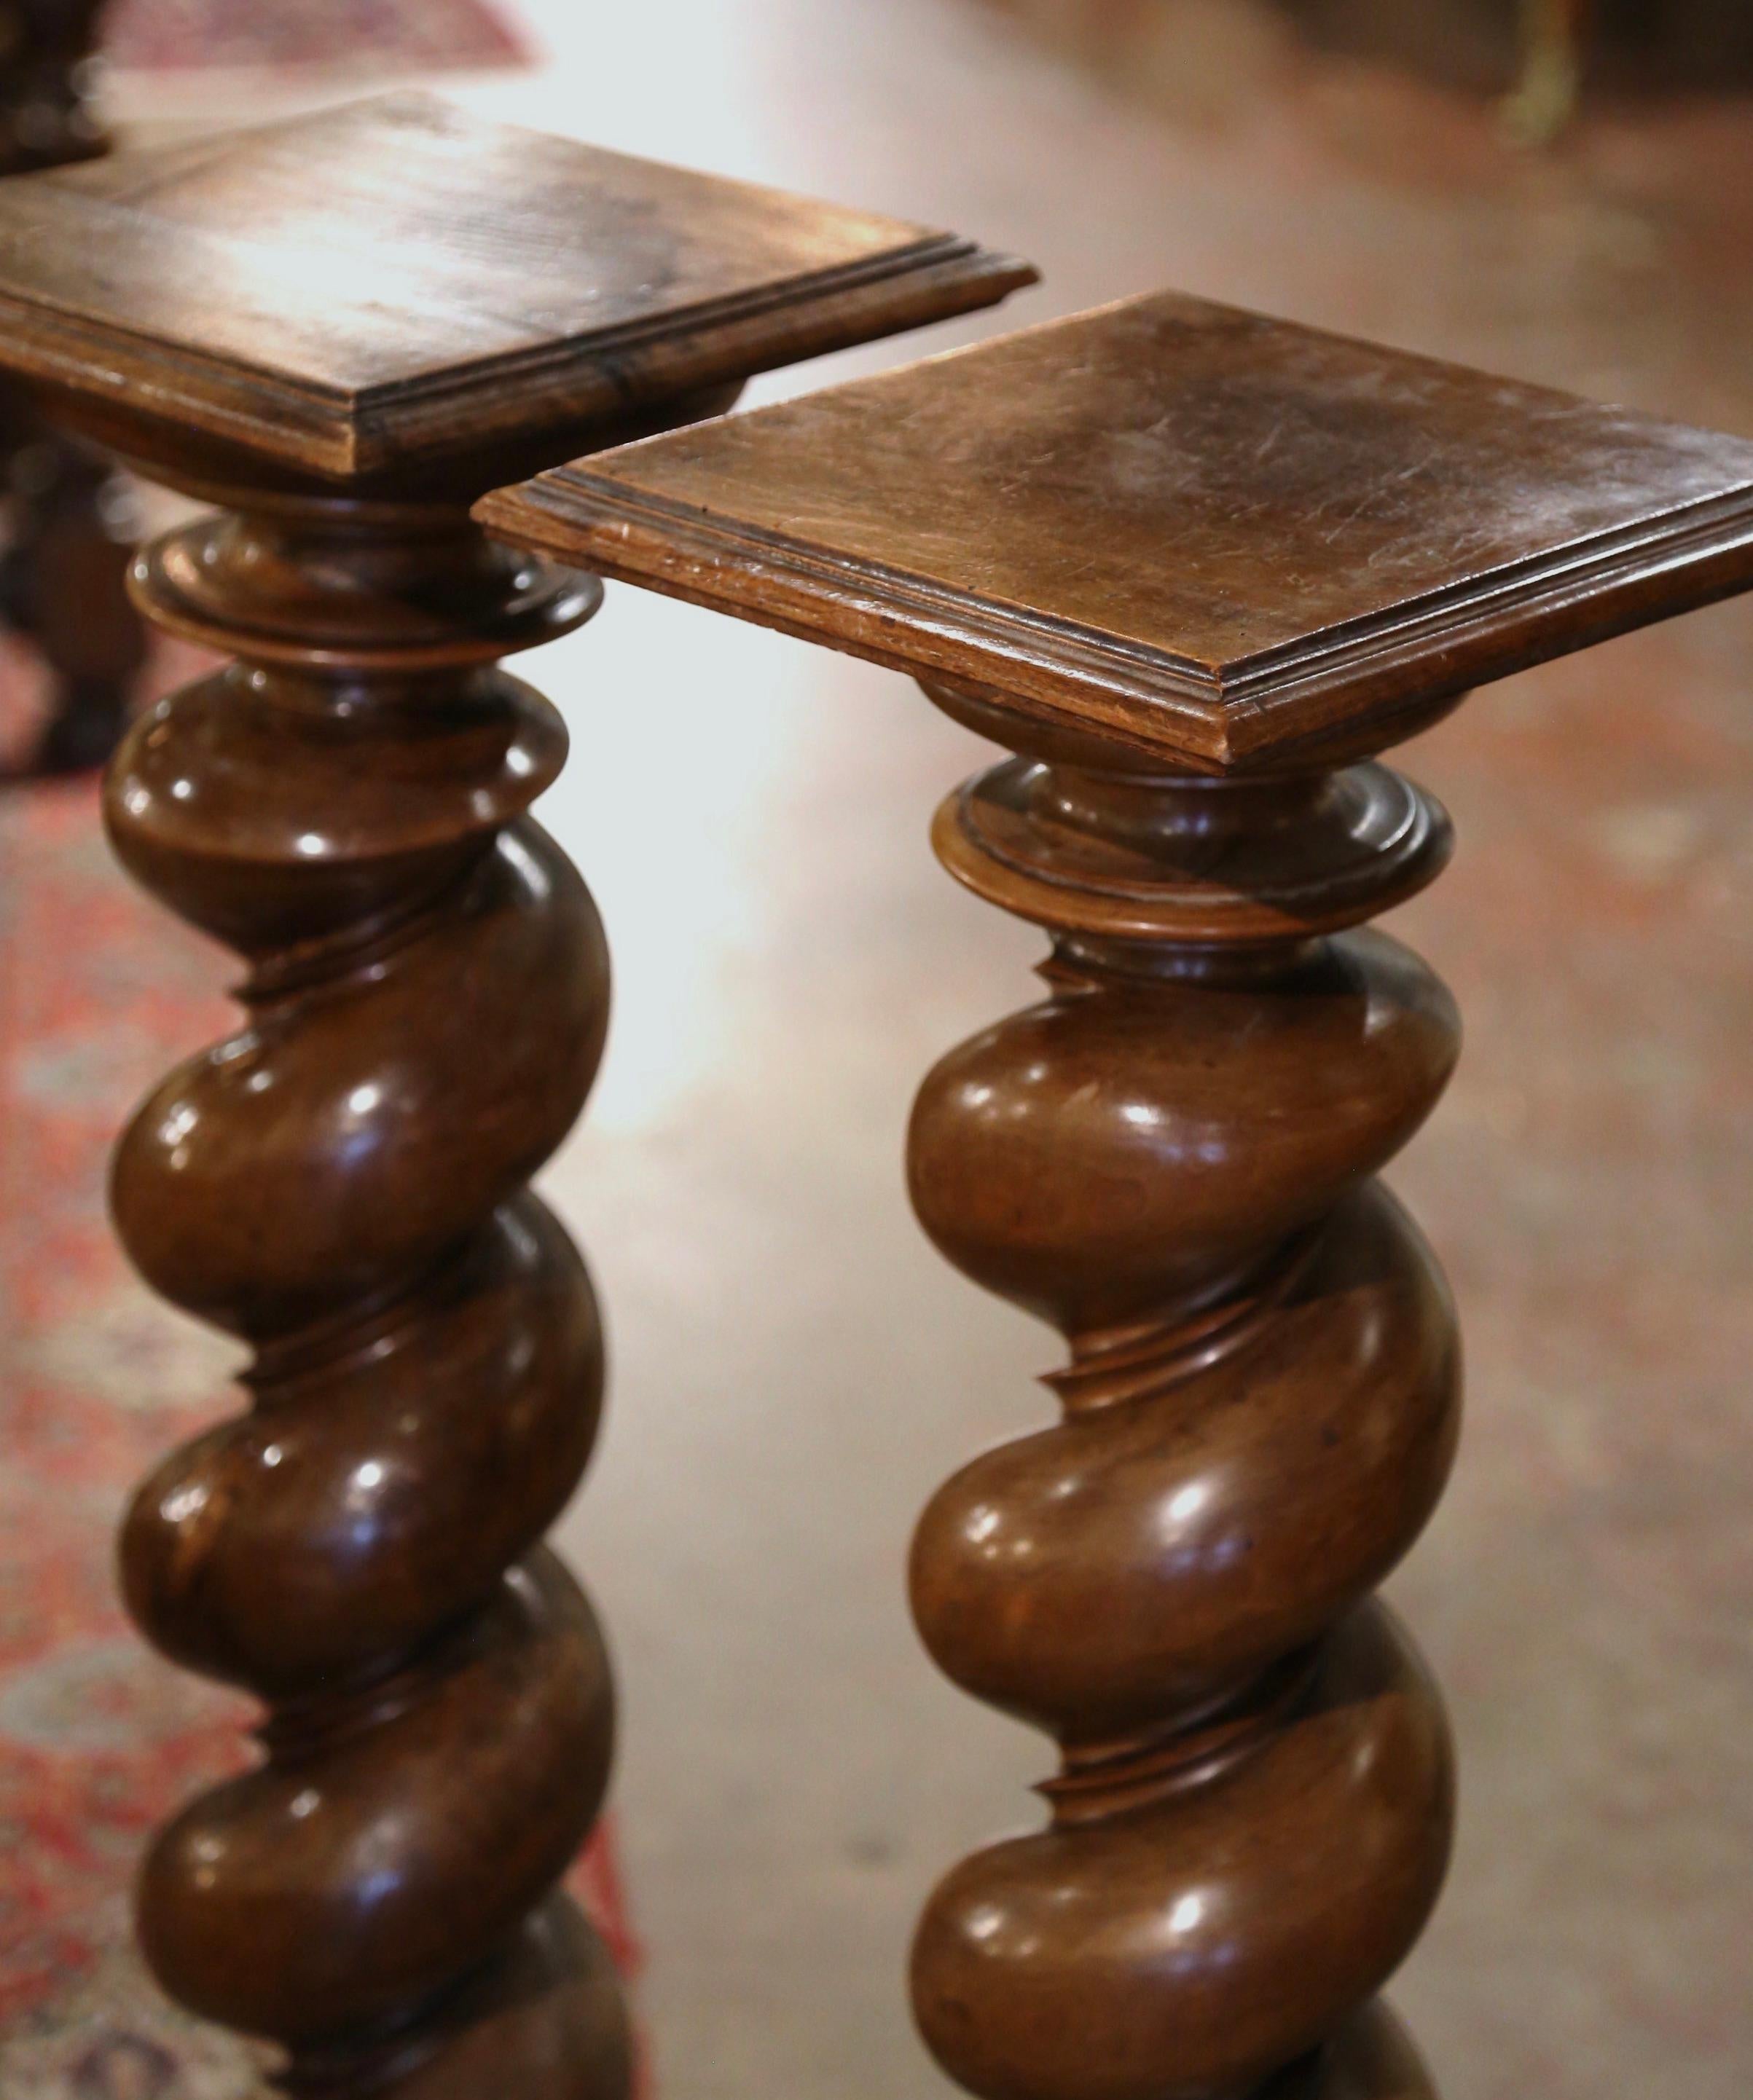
(344, 435)
(1356, 674)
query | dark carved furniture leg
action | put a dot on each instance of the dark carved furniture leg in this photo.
(423, 305)
(64, 585)
(1197, 568)
(46, 53)
(62, 573)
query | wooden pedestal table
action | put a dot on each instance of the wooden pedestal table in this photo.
(1196, 567)
(342, 330)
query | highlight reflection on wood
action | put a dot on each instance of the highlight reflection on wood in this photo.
(1196, 568)
(341, 330)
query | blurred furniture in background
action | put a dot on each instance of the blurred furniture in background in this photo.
(1545, 97)
(1537, 54)
(1482, 43)
(72, 520)
(46, 51)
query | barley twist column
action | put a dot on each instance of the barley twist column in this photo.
(342, 1185)
(1198, 568)
(341, 330)
(1170, 1159)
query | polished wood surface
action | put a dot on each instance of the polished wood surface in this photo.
(342, 1183)
(393, 279)
(1195, 568)
(1218, 539)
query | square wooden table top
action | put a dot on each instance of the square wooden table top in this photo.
(393, 277)
(1208, 534)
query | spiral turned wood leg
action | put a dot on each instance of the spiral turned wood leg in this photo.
(345, 327)
(1195, 563)
(343, 1183)
(1170, 1160)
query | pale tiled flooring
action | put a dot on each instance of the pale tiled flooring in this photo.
(795, 1369)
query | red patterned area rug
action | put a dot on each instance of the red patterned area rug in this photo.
(100, 992)
(403, 35)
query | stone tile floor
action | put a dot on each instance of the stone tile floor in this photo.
(796, 1370)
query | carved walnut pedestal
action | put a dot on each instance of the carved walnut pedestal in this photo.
(1196, 567)
(342, 330)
